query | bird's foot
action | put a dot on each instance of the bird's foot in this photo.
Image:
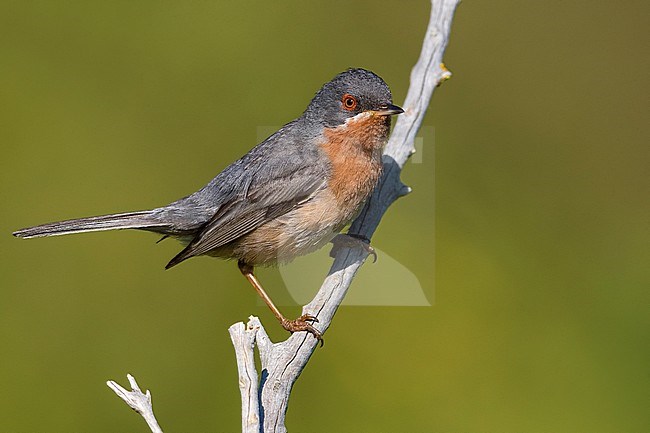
(351, 240)
(303, 323)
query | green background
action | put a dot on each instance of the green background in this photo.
(528, 227)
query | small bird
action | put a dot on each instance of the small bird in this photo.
(288, 196)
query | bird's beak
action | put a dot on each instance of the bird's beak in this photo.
(388, 110)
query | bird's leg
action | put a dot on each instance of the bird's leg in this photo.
(300, 324)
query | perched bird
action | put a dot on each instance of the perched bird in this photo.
(286, 197)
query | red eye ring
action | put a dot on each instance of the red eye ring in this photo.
(349, 102)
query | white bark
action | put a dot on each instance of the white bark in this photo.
(283, 362)
(139, 402)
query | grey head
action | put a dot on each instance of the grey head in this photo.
(348, 94)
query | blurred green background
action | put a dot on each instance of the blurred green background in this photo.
(527, 228)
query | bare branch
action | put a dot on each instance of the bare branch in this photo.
(139, 402)
(243, 339)
(283, 362)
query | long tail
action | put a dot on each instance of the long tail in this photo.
(131, 220)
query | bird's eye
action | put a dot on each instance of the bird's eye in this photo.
(349, 102)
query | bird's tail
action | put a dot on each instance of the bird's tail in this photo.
(131, 220)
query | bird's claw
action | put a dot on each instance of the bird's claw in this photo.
(352, 240)
(302, 323)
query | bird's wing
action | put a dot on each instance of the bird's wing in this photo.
(273, 189)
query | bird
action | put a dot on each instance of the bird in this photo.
(288, 196)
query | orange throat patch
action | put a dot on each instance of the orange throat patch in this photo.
(354, 150)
